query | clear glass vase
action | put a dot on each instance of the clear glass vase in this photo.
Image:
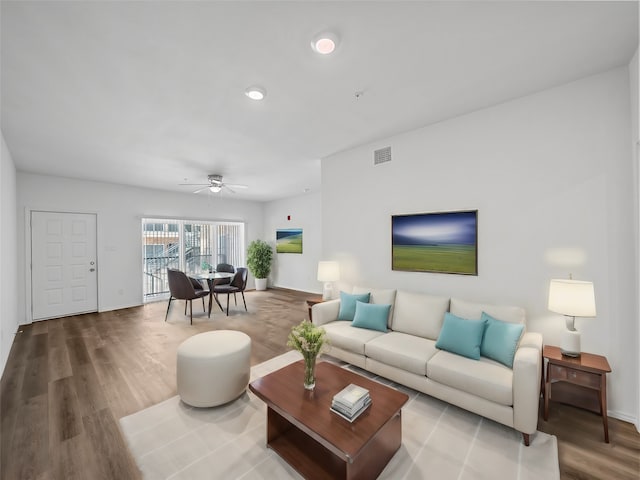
(310, 372)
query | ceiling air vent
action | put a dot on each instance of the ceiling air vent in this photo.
(381, 156)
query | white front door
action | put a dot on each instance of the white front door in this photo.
(64, 279)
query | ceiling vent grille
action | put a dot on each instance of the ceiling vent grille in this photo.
(381, 156)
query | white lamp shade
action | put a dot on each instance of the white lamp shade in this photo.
(572, 297)
(328, 271)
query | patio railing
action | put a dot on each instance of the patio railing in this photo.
(155, 271)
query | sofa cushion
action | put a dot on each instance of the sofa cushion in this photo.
(461, 336)
(500, 340)
(485, 378)
(371, 316)
(419, 314)
(378, 295)
(348, 304)
(344, 336)
(473, 311)
(403, 351)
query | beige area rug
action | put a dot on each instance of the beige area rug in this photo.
(174, 441)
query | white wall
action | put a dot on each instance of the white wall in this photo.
(292, 270)
(551, 176)
(119, 211)
(8, 263)
(634, 84)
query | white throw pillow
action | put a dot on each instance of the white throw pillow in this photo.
(473, 311)
(419, 314)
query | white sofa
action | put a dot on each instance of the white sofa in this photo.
(407, 354)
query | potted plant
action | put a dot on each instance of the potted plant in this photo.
(259, 255)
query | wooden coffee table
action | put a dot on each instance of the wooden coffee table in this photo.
(317, 442)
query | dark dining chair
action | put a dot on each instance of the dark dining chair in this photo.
(226, 268)
(182, 287)
(237, 285)
(197, 285)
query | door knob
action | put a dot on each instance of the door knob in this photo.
(92, 269)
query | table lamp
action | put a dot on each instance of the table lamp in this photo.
(328, 272)
(572, 298)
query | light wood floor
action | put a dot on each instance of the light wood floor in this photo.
(68, 381)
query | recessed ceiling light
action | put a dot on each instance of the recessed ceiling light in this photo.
(255, 93)
(324, 43)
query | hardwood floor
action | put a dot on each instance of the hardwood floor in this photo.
(581, 448)
(69, 380)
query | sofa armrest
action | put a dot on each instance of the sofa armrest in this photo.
(527, 369)
(325, 312)
(531, 339)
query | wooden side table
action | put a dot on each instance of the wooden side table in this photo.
(581, 382)
(311, 302)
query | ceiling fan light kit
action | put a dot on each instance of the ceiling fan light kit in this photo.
(255, 92)
(215, 185)
(324, 43)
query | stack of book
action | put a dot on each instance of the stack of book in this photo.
(350, 402)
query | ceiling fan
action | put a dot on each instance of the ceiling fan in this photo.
(215, 185)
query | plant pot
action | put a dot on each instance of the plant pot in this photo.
(261, 283)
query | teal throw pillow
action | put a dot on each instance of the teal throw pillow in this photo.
(461, 336)
(348, 304)
(500, 340)
(372, 316)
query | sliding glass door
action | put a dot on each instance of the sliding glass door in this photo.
(186, 245)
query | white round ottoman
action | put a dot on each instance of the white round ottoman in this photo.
(213, 367)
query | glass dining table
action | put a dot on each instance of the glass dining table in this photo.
(212, 279)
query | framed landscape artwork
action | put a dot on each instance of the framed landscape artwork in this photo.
(443, 242)
(289, 240)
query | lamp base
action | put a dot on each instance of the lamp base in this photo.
(327, 292)
(570, 345)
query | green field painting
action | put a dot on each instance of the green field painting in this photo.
(444, 242)
(289, 240)
(435, 258)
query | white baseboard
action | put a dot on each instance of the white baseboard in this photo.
(624, 417)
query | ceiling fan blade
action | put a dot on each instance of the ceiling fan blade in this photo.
(201, 189)
(195, 184)
(236, 185)
(227, 187)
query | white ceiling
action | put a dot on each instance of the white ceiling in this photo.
(151, 93)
